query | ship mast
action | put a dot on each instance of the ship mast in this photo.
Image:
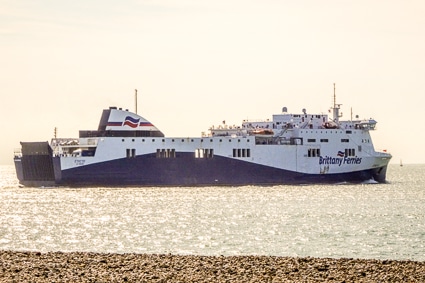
(335, 109)
(135, 100)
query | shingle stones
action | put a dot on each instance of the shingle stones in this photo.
(95, 267)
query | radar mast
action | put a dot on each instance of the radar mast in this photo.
(335, 109)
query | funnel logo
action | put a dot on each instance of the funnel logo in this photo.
(131, 122)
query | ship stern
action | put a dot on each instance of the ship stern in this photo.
(36, 166)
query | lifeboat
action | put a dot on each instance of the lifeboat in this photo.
(330, 125)
(262, 132)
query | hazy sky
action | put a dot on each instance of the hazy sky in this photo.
(196, 63)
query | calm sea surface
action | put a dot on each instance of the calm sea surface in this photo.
(382, 221)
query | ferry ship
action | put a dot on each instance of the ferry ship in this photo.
(128, 150)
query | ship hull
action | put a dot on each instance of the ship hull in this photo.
(147, 170)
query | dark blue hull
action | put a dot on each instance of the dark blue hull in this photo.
(186, 170)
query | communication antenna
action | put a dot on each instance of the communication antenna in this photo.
(135, 100)
(334, 97)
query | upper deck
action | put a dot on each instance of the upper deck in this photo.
(284, 123)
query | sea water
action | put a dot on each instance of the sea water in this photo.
(381, 221)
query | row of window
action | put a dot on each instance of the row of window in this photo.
(350, 152)
(327, 140)
(326, 131)
(131, 152)
(241, 152)
(342, 140)
(199, 152)
(171, 153)
(315, 152)
(237, 152)
(166, 153)
(183, 140)
(230, 140)
(204, 153)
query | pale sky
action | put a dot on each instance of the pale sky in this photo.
(196, 63)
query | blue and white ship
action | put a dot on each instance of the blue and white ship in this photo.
(128, 150)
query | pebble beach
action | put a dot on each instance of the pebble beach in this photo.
(97, 267)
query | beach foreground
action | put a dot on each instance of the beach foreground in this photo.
(96, 267)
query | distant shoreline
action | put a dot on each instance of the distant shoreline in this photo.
(102, 267)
